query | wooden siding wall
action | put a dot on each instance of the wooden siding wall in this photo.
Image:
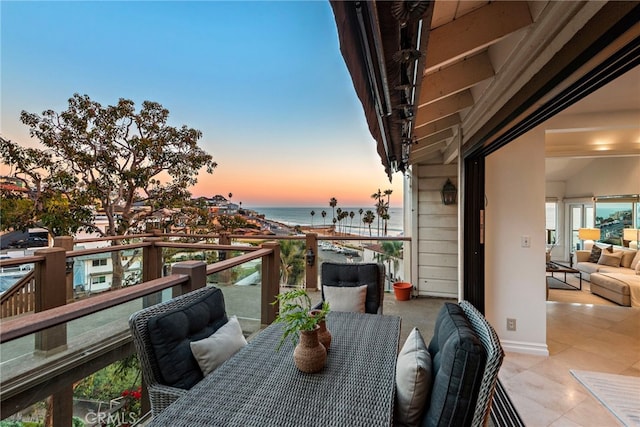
(437, 233)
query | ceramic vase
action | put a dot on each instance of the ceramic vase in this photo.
(309, 355)
(324, 335)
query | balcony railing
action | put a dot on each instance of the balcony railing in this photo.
(60, 337)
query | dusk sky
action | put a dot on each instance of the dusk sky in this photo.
(264, 81)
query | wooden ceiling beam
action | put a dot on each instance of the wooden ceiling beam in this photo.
(436, 137)
(475, 31)
(429, 153)
(451, 153)
(455, 78)
(426, 129)
(444, 107)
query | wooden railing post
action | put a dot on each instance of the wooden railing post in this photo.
(270, 283)
(197, 272)
(151, 260)
(151, 268)
(224, 239)
(54, 287)
(51, 291)
(66, 243)
(311, 261)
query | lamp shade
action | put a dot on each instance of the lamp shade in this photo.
(589, 234)
(630, 234)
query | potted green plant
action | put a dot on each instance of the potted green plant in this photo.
(301, 326)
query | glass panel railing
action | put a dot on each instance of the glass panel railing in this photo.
(242, 290)
(390, 253)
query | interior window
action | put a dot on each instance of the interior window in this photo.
(552, 221)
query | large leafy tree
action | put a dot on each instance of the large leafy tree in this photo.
(110, 159)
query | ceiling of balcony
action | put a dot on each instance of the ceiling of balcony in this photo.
(477, 61)
(456, 80)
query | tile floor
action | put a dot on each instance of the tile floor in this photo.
(589, 334)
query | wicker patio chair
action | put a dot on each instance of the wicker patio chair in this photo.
(495, 355)
(357, 274)
(162, 395)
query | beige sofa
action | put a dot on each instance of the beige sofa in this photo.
(618, 283)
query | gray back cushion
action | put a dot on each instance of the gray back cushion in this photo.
(337, 274)
(170, 334)
(458, 363)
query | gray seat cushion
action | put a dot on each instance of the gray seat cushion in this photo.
(170, 334)
(458, 364)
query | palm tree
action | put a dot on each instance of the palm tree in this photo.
(381, 210)
(387, 193)
(324, 215)
(385, 219)
(312, 214)
(378, 198)
(368, 219)
(387, 216)
(333, 202)
(391, 253)
(351, 215)
(339, 217)
(342, 215)
(360, 226)
(292, 262)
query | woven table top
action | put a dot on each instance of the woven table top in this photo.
(260, 386)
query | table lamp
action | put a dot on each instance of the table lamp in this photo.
(588, 235)
(631, 234)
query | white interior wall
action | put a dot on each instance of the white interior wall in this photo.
(514, 275)
(607, 176)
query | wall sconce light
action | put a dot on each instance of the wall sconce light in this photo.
(449, 193)
(310, 257)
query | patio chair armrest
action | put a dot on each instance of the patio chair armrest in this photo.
(162, 396)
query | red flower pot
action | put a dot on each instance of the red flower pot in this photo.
(402, 290)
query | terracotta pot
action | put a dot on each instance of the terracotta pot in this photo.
(324, 335)
(402, 290)
(309, 355)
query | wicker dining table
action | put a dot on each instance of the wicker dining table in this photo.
(260, 386)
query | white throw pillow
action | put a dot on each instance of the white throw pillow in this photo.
(610, 259)
(346, 298)
(413, 381)
(211, 352)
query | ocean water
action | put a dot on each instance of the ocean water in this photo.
(293, 216)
